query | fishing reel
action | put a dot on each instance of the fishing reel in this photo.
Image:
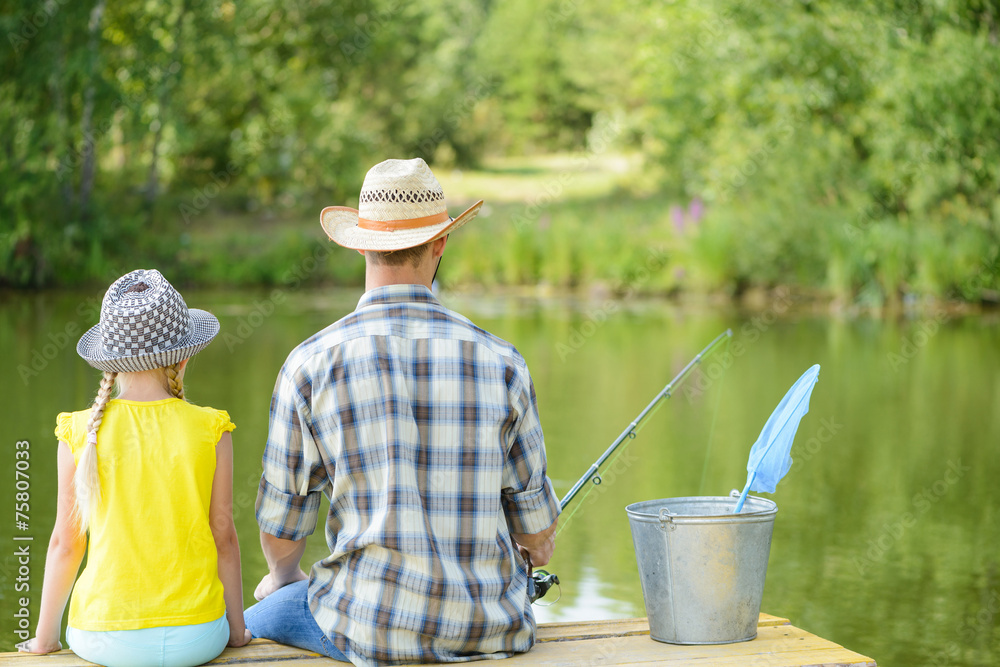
(539, 584)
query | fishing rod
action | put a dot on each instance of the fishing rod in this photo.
(541, 581)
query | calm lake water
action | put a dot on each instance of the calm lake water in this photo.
(887, 538)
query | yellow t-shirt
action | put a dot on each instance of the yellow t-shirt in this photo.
(151, 559)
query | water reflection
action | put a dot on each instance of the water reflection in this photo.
(887, 532)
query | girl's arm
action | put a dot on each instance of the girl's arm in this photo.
(66, 549)
(226, 542)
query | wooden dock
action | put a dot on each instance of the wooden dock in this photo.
(618, 642)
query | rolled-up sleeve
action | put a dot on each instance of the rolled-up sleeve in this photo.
(529, 501)
(294, 476)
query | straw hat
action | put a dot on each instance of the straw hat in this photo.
(401, 206)
(145, 324)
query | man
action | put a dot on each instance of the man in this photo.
(422, 429)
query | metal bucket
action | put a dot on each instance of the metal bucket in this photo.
(702, 567)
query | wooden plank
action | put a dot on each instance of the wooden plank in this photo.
(766, 620)
(836, 657)
(60, 659)
(258, 651)
(622, 627)
(619, 627)
(265, 652)
(613, 642)
(775, 646)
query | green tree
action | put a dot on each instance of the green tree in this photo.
(837, 144)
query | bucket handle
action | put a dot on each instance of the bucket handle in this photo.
(667, 520)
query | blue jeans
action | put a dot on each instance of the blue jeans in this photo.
(165, 646)
(284, 617)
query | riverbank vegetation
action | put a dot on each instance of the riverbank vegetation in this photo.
(846, 149)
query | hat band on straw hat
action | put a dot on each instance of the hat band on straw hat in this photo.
(412, 223)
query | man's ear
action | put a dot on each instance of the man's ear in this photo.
(361, 252)
(437, 249)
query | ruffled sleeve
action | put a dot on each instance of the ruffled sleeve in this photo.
(223, 424)
(69, 430)
(64, 426)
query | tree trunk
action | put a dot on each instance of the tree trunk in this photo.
(152, 181)
(163, 99)
(66, 172)
(89, 168)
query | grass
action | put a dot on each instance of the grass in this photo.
(524, 180)
(572, 222)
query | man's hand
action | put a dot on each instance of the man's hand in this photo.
(270, 583)
(539, 546)
(283, 557)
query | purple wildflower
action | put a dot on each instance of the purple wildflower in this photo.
(677, 217)
(696, 209)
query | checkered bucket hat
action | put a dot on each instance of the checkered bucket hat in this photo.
(401, 206)
(145, 324)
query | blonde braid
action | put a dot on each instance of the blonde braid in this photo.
(175, 383)
(86, 481)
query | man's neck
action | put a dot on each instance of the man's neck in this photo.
(421, 273)
(382, 276)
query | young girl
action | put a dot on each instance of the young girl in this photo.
(151, 477)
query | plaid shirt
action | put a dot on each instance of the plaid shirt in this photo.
(423, 431)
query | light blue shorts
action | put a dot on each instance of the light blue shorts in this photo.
(166, 646)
